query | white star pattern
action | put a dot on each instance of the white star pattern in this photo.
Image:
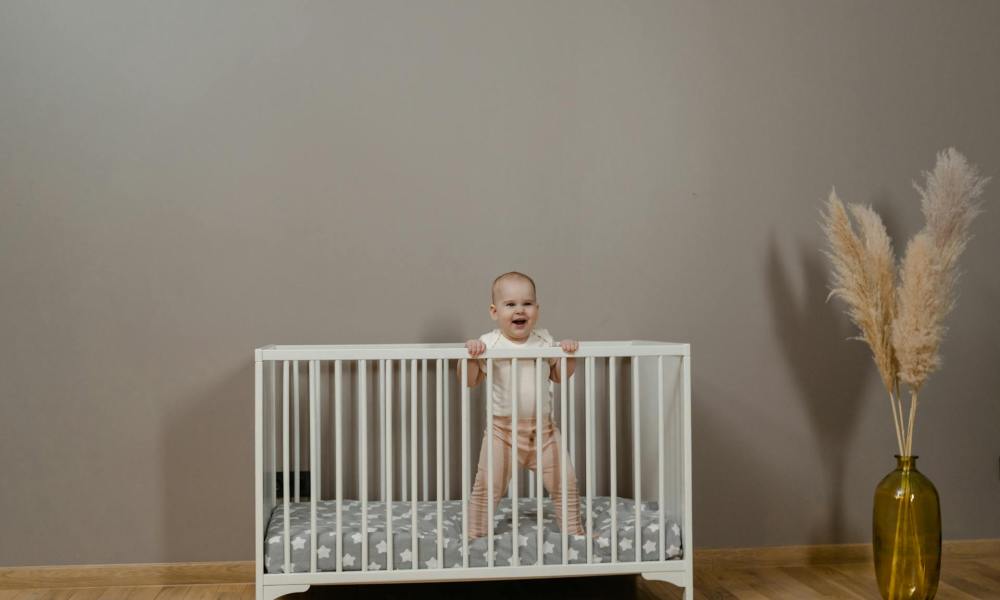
(431, 563)
(299, 543)
(673, 550)
(522, 540)
(649, 547)
(348, 560)
(380, 547)
(445, 542)
(573, 554)
(676, 529)
(323, 552)
(625, 544)
(356, 538)
(275, 540)
(603, 542)
(548, 547)
(653, 527)
(374, 567)
(405, 555)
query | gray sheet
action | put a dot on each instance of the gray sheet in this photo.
(452, 525)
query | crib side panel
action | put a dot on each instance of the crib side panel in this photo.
(269, 439)
(384, 438)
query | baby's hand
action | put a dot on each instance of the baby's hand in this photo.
(475, 347)
(570, 346)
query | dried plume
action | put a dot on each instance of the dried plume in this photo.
(864, 278)
(930, 266)
(904, 324)
(924, 300)
(949, 200)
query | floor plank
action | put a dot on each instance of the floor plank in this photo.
(237, 591)
(961, 579)
(146, 592)
(173, 592)
(46, 594)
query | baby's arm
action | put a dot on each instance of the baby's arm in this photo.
(476, 374)
(568, 346)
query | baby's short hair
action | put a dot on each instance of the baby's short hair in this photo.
(510, 275)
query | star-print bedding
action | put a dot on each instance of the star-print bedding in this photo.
(326, 523)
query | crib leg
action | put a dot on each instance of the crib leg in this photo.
(270, 592)
(680, 580)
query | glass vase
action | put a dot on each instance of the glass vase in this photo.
(906, 534)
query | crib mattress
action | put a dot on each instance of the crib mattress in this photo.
(326, 547)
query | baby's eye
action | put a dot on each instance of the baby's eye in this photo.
(510, 304)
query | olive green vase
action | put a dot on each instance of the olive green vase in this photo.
(906, 534)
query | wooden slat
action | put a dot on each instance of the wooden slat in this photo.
(92, 593)
(850, 581)
(820, 587)
(790, 556)
(146, 592)
(45, 594)
(203, 592)
(970, 569)
(173, 592)
(237, 592)
(126, 575)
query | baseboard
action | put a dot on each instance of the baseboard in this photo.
(799, 556)
(77, 576)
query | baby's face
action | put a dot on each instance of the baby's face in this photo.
(514, 309)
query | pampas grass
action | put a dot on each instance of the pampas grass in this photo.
(902, 321)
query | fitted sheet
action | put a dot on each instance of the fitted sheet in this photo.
(351, 531)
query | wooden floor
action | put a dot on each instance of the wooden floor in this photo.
(961, 579)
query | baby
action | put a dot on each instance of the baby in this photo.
(515, 310)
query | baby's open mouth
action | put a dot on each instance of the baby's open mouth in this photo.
(519, 321)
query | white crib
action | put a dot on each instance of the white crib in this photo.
(343, 443)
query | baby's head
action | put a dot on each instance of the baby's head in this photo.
(514, 306)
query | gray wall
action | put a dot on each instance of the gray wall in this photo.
(182, 182)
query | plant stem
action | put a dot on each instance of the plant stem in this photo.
(913, 413)
(896, 422)
(896, 539)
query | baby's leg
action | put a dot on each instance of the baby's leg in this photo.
(552, 454)
(479, 503)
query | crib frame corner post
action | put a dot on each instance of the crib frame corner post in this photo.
(688, 540)
(258, 469)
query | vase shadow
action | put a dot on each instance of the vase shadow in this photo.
(830, 375)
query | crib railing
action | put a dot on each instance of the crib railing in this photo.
(384, 391)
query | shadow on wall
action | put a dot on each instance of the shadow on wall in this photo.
(734, 490)
(829, 373)
(207, 452)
